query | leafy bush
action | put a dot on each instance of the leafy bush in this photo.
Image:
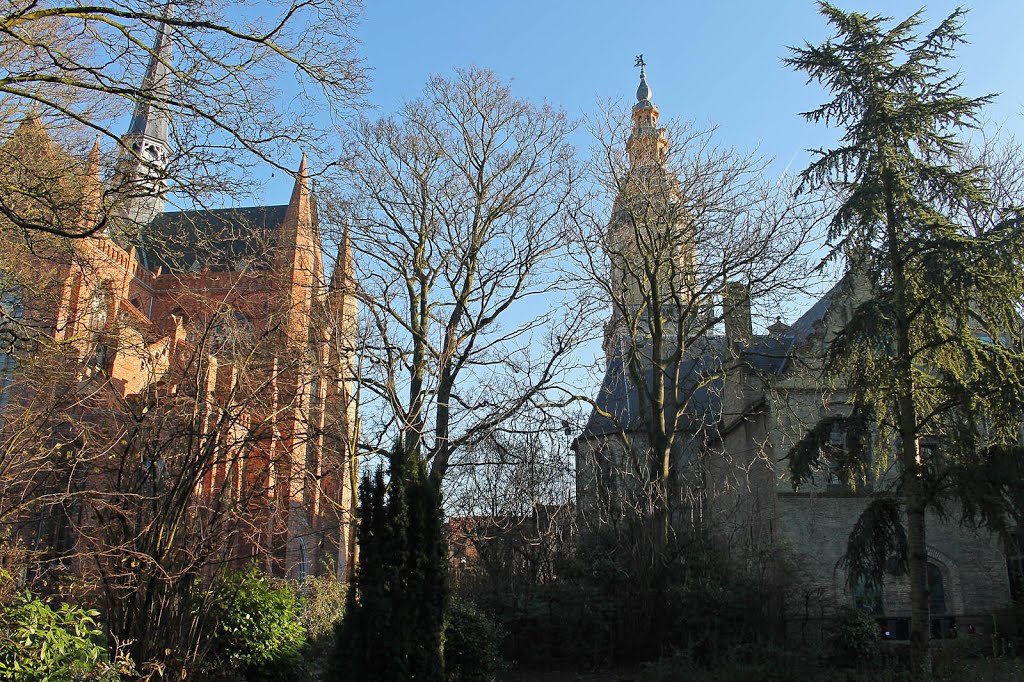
(470, 643)
(43, 643)
(323, 607)
(855, 639)
(258, 630)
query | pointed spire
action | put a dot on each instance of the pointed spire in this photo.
(643, 91)
(150, 119)
(93, 187)
(342, 276)
(647, 144)
(296, 230)
(32, 133)
(300, 193)
(33, 121)
(92, 167)
(146, 149)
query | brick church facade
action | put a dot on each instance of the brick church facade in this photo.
(197, 361)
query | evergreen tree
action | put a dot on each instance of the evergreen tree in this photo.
(394, 620)
(934, 353)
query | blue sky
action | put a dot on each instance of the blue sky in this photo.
(713, 62)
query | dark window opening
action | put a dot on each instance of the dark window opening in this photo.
(845, 456)
(936, 591)
(1015, 565)
(868, 595)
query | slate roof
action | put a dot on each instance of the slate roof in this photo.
(769, 354)
(218, 239)
(700, 375)
(619, 398)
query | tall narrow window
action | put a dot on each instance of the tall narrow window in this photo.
(96, 327)
(936, 591)
(1015, 564)
(868, 595)
(302, 565)
(846, 456)
(10, 313)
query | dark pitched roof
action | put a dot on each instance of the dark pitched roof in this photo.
(618, 401)
(769, 354)
(618, 406)
(805, 324)
(218, 239)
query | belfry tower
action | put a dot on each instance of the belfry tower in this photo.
(650, 240)
(146, 147)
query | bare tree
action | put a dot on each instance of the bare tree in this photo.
(143, 497)
(458, 206)
(141, 454)
(142, 450)
(510, 502)
(231, 86)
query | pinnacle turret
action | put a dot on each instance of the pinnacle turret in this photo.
(647, 144)
(647, 228)
(643, 91)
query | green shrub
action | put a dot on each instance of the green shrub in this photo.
(855, 640)
(470, 643)
(258, 627)
(394, 615)
(43, 643)
(323, 607)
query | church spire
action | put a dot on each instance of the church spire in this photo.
(146, 145)
(648, 228)
(150, 118)
(647, 144)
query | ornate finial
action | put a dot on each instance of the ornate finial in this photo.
(643, 93)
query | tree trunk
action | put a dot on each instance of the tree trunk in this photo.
(920, 621)
(906, 419)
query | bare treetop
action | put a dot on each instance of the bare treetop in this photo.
(239, 89)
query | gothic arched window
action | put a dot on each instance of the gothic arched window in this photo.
(231, 333)
(868, 595)
(97, 323)
(302, 565)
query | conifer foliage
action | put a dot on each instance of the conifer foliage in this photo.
(934, 352)
(394, 621)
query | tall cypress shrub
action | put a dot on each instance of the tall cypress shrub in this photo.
(394, 621)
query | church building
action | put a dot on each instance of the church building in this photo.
(731, 404)
(196, 361)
